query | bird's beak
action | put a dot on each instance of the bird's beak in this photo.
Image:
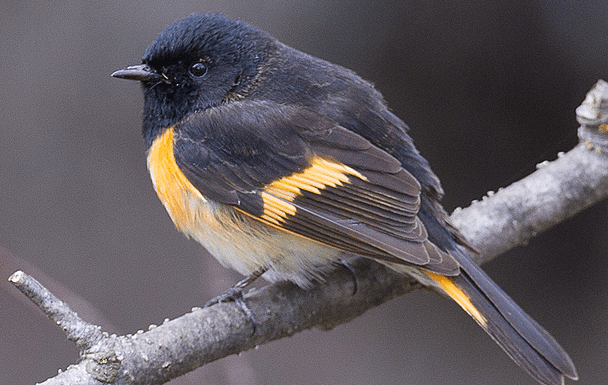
(139, 72)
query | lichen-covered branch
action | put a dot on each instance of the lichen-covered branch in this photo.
(552, 194)
(501, 221)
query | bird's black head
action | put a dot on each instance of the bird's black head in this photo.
(195, 63)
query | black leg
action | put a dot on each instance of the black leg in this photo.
(235, 293)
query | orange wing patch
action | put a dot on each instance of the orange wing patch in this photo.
(459, 296)
(318, 176)
(276, 209)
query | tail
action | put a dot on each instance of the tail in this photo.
(524, 340)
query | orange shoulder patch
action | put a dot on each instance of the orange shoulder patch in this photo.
(171, 185)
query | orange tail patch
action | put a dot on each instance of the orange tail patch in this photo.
(459, 296)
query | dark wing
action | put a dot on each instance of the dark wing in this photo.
(301, 172)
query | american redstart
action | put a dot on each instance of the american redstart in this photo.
(281, 164)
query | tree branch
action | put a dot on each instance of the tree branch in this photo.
(501, 221)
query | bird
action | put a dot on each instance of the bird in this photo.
(282, 165)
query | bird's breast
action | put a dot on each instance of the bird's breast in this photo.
(232, 237)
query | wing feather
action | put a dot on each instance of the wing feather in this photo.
(300, 172)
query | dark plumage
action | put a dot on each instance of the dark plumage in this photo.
(282, 163)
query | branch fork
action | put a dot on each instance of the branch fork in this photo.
(502, 220)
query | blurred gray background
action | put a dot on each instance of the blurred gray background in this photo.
(488, 87)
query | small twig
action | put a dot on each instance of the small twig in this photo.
(77, 330)
(556, 191)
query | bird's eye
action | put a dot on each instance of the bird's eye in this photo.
(198, 69)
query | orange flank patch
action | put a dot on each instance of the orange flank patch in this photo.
(459, 296)
(318, 176)
(171, 185)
